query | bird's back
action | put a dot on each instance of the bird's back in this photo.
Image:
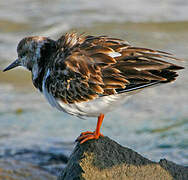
(88, 67)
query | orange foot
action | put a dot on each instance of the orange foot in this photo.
(85, 136)
(90, 132)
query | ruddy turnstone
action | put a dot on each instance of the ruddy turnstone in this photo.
(91, 75)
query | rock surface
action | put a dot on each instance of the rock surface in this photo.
(16, 170)
(104, 159)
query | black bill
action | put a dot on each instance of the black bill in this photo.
(13, 65)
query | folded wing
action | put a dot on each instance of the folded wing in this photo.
(97, 66)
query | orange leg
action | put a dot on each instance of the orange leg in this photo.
(85, 136)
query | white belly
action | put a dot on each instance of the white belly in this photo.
(94, 107)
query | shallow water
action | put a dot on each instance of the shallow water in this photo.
(154, 122)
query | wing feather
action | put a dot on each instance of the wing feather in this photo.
(100, 65)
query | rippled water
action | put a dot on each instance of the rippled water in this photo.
(154, 123)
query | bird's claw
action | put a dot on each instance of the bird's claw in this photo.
(88, 135)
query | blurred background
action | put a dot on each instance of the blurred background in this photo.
(153, 123)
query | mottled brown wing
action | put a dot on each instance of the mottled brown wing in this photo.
(97, 66)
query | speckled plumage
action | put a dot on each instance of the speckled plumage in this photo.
(91, 75)
(84, 69)
(75, 70)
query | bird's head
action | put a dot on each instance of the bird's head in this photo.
(29, 53)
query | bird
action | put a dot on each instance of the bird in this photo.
(89, 76)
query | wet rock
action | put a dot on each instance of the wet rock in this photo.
(51, 160)
(105, 159)
(16, 170)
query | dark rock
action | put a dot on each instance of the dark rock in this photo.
(104, 159)
(51, 160)
(16, 170)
